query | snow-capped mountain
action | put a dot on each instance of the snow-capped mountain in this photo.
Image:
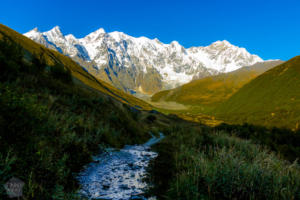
(142, 64)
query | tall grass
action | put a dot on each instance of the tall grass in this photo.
(214, 165)
(50, 127)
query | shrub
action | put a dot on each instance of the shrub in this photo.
(151, 118)
(61, 73)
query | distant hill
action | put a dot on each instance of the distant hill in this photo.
(271, 99)
(213, 90)
(52, 57)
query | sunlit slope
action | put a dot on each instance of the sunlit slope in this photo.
(51, 57)
(271, 99)
(213, 90)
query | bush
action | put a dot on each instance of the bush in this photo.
(151, 118)
(61, 73)
(9, 69)
(283, 141)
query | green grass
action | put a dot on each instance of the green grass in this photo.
(211, 91)
(283, 141)
(207, 164)
(50, 126)
(272, 99)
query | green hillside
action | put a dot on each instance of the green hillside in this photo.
(52, 57)
(54, 116)
(272, 99)
(211, 91)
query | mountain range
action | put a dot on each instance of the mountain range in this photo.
(80, 76)
(222, 80)
(141, 64)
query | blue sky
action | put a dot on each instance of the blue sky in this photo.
(269, 28)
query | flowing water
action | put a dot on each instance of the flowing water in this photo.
(118, 174)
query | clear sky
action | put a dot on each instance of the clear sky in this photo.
(268, 28)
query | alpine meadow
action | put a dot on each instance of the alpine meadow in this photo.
(149, 100)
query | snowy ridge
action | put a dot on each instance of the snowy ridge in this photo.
(120, 53)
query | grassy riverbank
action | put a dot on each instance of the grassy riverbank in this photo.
(205, 163)
(50, 126)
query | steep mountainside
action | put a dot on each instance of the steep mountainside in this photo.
(271, 99)
(214, 90)
(80, 74)
(52, 122)
(141, 64)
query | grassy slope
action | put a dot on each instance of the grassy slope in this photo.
(50, 125)
(272, 99)
(51, 57)
(211, 91)
(202, 163)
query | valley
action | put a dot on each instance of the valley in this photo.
(256, 95)
(72, 125)
(213, 90)
(193, 83)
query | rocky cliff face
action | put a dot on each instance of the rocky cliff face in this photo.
(141, 64)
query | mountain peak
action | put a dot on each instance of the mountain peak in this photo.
(95, 34)
(175, 44)
(35, 29)
(55, 32)
(222, 42)
(156, 40)
(100, 31)
(56, 29)
(70, 37)
(33, 33)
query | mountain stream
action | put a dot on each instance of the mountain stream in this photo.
(118, 174)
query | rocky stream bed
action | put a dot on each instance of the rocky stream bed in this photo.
(118, 174)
